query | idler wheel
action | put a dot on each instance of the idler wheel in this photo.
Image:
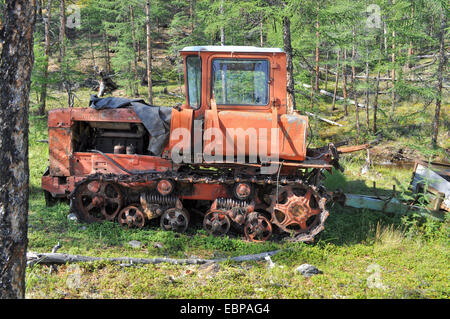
(131, 217)
(216, 223)
(257, 228)
(175, 219)
(96, 201)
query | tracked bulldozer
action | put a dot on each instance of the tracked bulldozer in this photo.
(232, 154)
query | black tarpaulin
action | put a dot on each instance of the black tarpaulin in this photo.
(156, 119)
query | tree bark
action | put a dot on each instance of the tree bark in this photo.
(106, 50)
(336, 83)
(375, 103)
(326, 71)
(344, 81)
(46, 19)
(16, 65)
(355, 95)
(149, 52)
(393, 97)
(261, 30)
(222, 29)
(289, 65)
(135, 65)
(442, 63)
(367, 87)
(316, 85)
(62, 30)
(91, 44)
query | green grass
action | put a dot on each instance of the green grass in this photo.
(408, 254)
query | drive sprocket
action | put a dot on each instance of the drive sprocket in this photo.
(299, 210)
(96, 201)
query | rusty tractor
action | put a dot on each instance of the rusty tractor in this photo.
(233, 153)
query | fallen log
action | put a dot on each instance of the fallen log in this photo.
(323, 92)
(323, 119)
(352, 148)
(62, 259)
(165, 91)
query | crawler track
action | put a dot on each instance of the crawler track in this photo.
(256, 205)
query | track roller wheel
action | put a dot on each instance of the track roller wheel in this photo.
(257, 228)
(216, 223)
(175, 219)
(131, 217)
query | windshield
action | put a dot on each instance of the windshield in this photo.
(194, 80)
(240, 82)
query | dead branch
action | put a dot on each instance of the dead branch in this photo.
(337, 97)
(61, 259)
(165, 91)
(323, 119)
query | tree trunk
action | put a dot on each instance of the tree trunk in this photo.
(344, 81)
(222, 29)
(375, 103)
(47, 54)
(410, 48)
(62, 30)
(261, 30)
(326, 71)
(355, 95)
(289, 65)
(367, 88)
(393, 68)
(135, 66)
(106, 50)
(442, 63)
(16, 59)
(336, 83)
(311, 93)
(316, 85)
(62, 45)
(91, 43)
(149, 52)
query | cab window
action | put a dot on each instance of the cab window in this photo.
(240, 82)
(194, 80)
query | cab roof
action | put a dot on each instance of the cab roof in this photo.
(231, 48)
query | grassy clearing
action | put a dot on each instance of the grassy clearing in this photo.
(363, 254)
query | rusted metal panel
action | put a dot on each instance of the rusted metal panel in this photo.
(60, 118)
(59, 187)
(91, 163)
(257, 128)
(106, 115)
(207, 192)
(180, 123)
(60, 148)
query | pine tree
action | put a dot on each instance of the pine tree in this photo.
(16, 54)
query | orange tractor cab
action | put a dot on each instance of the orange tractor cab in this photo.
(231, 155)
